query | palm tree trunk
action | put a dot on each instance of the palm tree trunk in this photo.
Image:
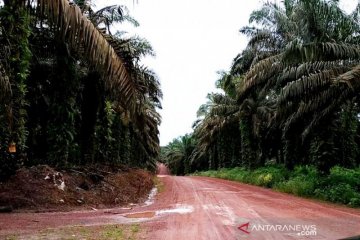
(248, 153)
(89, 114)
(15, 23)
(16, 26)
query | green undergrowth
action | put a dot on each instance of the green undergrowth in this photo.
(108, 232)
(159, 184)
(341, 185)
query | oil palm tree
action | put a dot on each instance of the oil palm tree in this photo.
(217, 120)
(81, 33)
(306, 52)
(317, 44)
(86, 36)
(177, 154)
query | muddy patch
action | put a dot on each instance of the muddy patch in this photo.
(140, 215)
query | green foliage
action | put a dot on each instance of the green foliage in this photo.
(268, 176)
(265, 176)
(298, 186)
(291, 95)
(247, 143)
(19, 31)
(301, 183)
(177, 154)
(63, 110)
(113, 232)
(104, 133)
(349, 124)
(344, 175)
(15, 22)
(60, 104)
(341, 185)
(340, 193)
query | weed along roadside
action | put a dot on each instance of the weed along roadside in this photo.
(109, 232)
(339, 186)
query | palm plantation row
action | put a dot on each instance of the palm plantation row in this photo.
(72, 91)
(290, 98)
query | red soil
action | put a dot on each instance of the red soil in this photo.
(221, 207)
(40, 188)
(206, 208)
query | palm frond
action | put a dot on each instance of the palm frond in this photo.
(78, 31)
(112, 14)
(259, 74)
(296, 72)
(296, 52)
(320, 105)
(243, 61)
(356, 13)
(150, 84)
(303, 87)
(261, 36)
(350, 78)
(269, 15)
(321, 114)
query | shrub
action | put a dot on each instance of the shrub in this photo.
(299, 185)
(302, 181)
(339, 193)
(308, 171)
(344, 175)
(268, 176)
(341, 185)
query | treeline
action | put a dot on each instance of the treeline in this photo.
(290, 97)
(72, 92)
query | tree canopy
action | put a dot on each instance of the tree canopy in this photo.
(291, 96)
(72, 91)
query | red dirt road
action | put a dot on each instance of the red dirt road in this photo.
(214, 209)
(162, 169)
(205, 208)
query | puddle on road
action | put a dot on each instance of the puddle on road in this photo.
(179, 209)
(140, 215)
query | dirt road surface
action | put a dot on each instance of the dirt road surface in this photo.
(162, 169)
(205, 208)
(216, 209)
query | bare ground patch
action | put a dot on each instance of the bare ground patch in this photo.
(42, 188)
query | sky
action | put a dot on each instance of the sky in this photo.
(192, 39)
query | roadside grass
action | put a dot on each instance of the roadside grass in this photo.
(341, 185)
(159, 184)
(12, 237)
(109, 232)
